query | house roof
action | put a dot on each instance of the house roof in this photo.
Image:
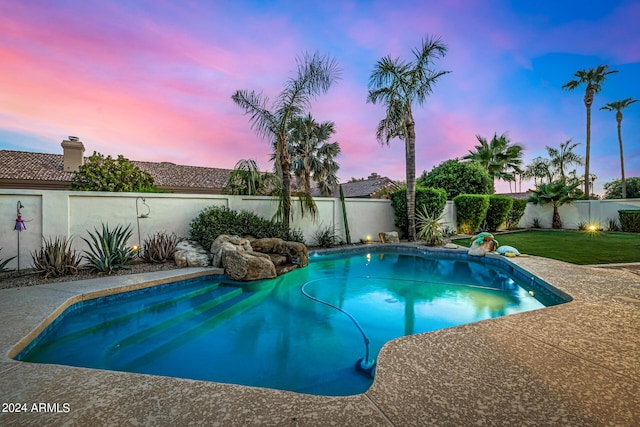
(42, 170)
(368, 188)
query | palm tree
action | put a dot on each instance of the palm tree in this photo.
(311, 156)
(539, 169)
(499, 157)
(593, 78)
(400, 85)
(560, 159)
(316, 74)
(557, 193)
(246, 179)
(618, 106)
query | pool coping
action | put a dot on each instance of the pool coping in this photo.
(573, 364)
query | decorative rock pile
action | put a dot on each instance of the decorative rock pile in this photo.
(245, 259)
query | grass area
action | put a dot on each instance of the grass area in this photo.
(576, 247)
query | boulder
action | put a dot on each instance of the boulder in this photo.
(389, 237)
(245, 266)
(266, 245)
(190, 254)
(225, 243)
(296, 252)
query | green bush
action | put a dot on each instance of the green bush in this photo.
(216, 220)
(471, 210)
(499, 208)
(613, 189)
(516, 213)
(326, 237)
(630, 220)
(102, 173)
(108, 249)
(431, 199)
(458, 178)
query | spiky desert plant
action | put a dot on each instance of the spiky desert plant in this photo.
(160, 247)
(107, 249)
(429, 228)
(4, 262)
(56, 258)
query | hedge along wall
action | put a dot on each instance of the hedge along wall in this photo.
(49, 213)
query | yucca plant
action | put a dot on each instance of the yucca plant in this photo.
(4, 262)
(56, 258)
(159, 248)
(107, 249)
(429, 228)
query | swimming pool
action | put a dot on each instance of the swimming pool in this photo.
(269, 334)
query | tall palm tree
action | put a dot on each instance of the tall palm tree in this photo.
(311, 156)
(246, 179)
(618, 106)
(499, 157)
(593, 78)
(560, 159)
(400, 85)
(316, 74)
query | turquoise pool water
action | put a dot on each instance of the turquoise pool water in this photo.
(269, 334)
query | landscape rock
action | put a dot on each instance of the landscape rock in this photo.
(190, 254)
(296, 252)
(389, 237)
(225, 243)
(266, 245)
(246, 266)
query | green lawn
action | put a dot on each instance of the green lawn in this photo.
(577, 247)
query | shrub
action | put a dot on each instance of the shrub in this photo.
(499, 208)
(432, 199)
(159, 248)
(458, 178)
(327, 237)
(4, 262)
(216, 220)
(583, 225)
(516, 213)
(630, 220)
(107, 249)
(55, 258)
(536, 223)
(429, 228)
(471, 210)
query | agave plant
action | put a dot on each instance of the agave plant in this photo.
(107, 249)
(4, 262)
(429, 228)
(56, 258)
(159, 248)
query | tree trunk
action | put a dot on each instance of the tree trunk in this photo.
(556, 223)
(588, 101)
(624, 184)
(285, 165)
(411, 177)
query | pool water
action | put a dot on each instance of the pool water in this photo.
(269, 334)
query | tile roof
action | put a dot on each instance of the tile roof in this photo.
(22, 165)
(362, 189)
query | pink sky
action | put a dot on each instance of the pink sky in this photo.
(152, 80)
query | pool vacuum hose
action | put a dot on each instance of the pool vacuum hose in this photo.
(363, 365)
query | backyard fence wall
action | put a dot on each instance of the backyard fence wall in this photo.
(52, 213)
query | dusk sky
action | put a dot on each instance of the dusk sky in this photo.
(152, 80)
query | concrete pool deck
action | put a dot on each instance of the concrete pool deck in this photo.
(575, 364)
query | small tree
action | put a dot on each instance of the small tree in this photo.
(613, 189)
(557, 193)
(457, 177)
(102, 173)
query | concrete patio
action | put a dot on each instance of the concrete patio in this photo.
(576, 364)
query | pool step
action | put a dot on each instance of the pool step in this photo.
(214, 289)
(129, 347)
(177, 338)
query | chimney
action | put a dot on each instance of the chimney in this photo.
(72, 154)
(373, 175)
